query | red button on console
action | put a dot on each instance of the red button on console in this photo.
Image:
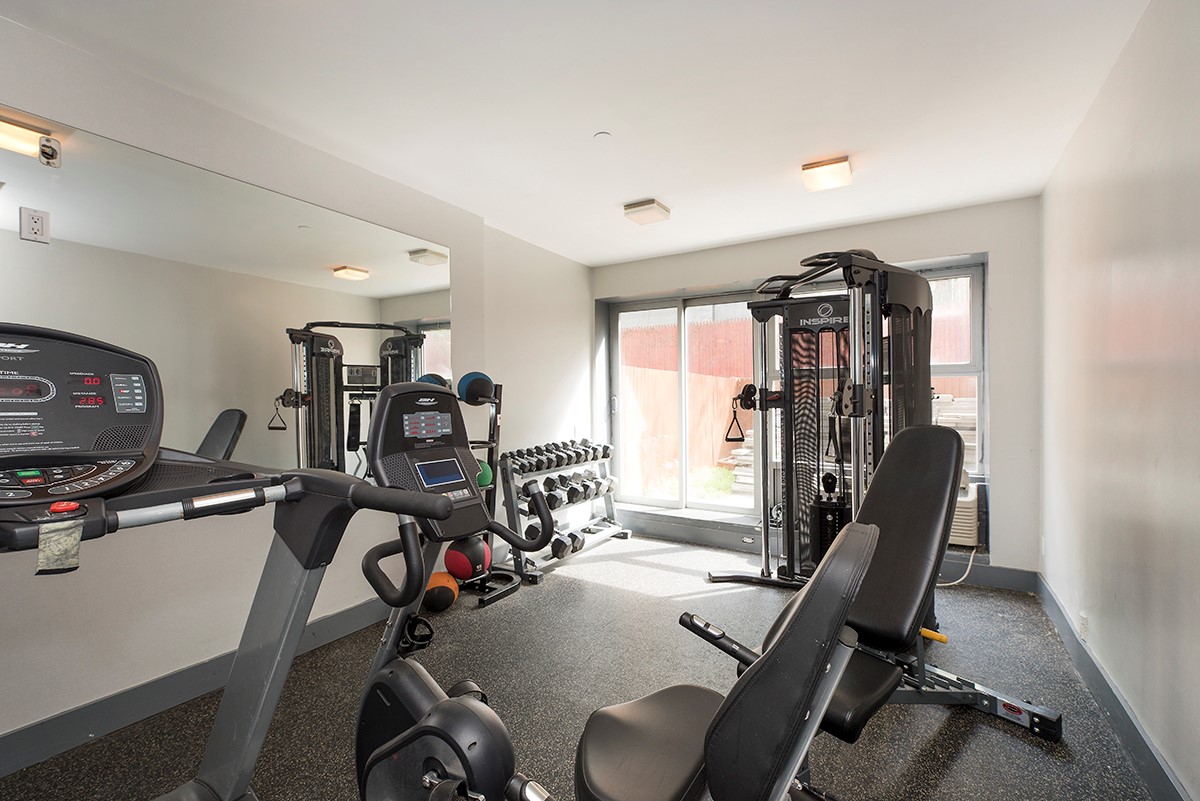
(63, 506)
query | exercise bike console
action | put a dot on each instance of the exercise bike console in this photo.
(418, 442)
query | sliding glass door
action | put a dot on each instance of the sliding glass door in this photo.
(678, 365)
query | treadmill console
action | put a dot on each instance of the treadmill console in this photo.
(78, 417)
(418, 442)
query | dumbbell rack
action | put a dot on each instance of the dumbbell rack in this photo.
(532, 568)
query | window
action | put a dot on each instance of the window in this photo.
(957, 358)
(678, 363)
(677, 366)
(435, 351)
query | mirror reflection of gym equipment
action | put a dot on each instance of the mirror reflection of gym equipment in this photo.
(333, 401)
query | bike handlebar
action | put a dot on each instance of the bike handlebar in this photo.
(401, 502)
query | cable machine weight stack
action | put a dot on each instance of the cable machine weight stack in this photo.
(854, 370)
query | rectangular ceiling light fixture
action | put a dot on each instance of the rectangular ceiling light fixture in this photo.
(352, 273)
(827, 174)
(20, 140)
(427, 256)
(644, 212)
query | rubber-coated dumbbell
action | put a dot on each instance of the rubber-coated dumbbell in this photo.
(566, 457)
(577, 541)
(553, 457)
(560, 546)
(554, 498)
(574, 492)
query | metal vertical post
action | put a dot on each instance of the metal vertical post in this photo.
(858, 452)
(298, 382)
(763, 441)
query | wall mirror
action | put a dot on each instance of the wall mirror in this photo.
(198, 271)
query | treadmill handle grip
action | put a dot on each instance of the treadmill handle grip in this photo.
(409, 544)
(401, 502)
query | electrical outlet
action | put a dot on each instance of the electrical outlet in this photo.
(1083, 627)
(35, 225)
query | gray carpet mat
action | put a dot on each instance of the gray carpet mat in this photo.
(603, 629)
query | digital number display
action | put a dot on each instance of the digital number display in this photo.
(17, 388)
(88, 380)
(443, 471)
(426, 425)
(90, 400)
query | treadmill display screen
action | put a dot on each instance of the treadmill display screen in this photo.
(443, 471)
(25, 389)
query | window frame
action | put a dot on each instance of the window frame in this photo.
(975, 267)
(424, 328)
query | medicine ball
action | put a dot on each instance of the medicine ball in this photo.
(440, 593)
(476, 389)
(436, 380)
(484, 479)
(468, 559)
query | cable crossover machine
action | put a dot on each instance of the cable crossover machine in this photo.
(328, 395)
(854, 370)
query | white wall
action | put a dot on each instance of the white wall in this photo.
(95, 96)
(418, 308)
(538, 337)
(1122, 372)
(1010, 233)
(217, 337)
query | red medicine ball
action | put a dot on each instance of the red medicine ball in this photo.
(468, 559)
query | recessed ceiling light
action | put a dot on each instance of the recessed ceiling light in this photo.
(352, 273)
(427, 256)
(644, 212)
(827, 174)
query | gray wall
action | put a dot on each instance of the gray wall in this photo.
(1122, 372)
(1010, 233)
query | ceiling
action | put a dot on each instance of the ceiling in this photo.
(712, 106)
(115, 196)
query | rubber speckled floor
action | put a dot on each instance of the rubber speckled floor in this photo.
(603, 629)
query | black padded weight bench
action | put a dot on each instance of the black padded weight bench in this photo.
(686, 742)
(911, 499)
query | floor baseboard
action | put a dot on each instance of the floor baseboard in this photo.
(46, 738)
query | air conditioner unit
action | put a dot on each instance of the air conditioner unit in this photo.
(964, 530)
